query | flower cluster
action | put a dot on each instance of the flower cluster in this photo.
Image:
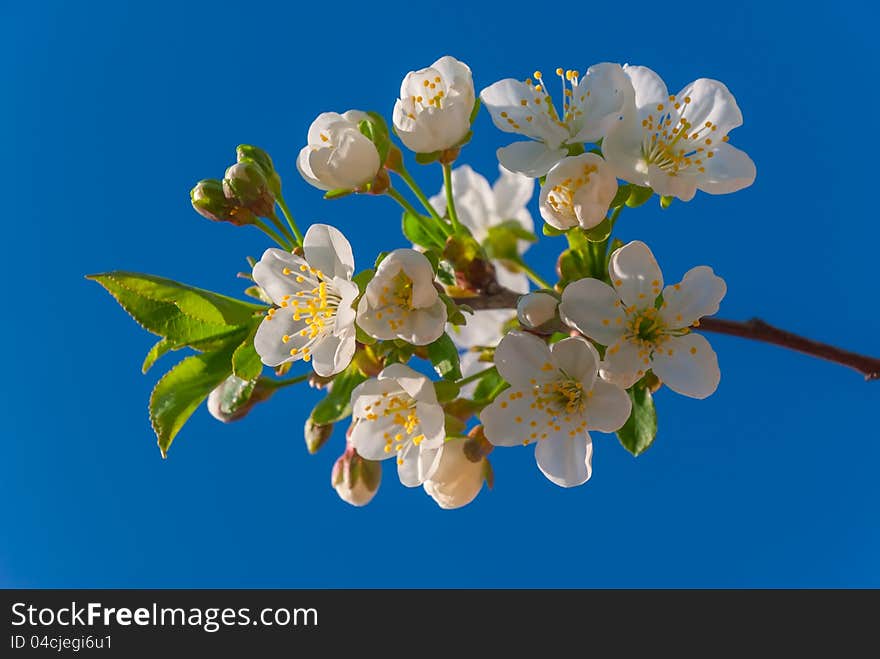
(516, 360)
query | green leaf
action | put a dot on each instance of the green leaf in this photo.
(165, 318)
(454, 314)
(638, 196)
(487, 385)
(415, 228)
(363, 278)
(194, 302)
(639, 431)
(246, 363)
(600, 232)
(446, 390)
(444, 357)
(623, 193)
(337, 404)
(159, 349)
(182, 389)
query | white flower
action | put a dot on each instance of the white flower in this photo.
(641, 336)
(591, 106)
(397, 414)
(536, 309)
(577, 191)
(434, 109)
(678, 144)
(457, 480)
(338, 155)
(401, 302)
(355, 479)
(481, 207)
(314, 319)
(555, 397)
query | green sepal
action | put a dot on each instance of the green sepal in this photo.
(475, 111)
(600, 232)
(427, 158)
(623, 193)
(338, 193)
(548, 230)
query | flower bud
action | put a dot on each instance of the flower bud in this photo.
(245, 184)
(537, 311)
(249, 153)
(457, 480)
(355, 479)
(338, 155)
(209, 200)
(316, 435)
(234, 398)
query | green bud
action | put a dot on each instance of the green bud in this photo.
(316, 435)
(234, 398)
(245, 184)
(247, 152)
(209, 201)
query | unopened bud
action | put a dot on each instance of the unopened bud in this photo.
(537, 311)
(316, 435)
(355, 479)
(458, 479)
(245, 184)
(209, 200)
(235, 397)
(247, 152)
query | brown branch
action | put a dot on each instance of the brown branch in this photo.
(754, 329)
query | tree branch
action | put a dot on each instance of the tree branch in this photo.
(754, 329)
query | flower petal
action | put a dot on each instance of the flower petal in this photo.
(728, 170)
(417, 464)
(601, 96)
(577, 358)
(269, 340)
(564, 460)
(305, 169)
(586, 306)
(522, 358)
(608, 408)
(269, 274)
(329, 251)
(413, 383)
(425, 325)
(512, 193)
(699, 294)
(711, 101)
(533, 159)
(692, 367)
(507, 420)
(516, 107)
(649, 88)
(623, 364)
(635, 274)
(483, 328)
(332, 354)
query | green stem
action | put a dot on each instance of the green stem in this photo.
(280, 384)
(290, 221)
(417, 191)
(534, 276)
(408, 207)
(450, 200)
(475, 376)
(265, 228)
(283, 230)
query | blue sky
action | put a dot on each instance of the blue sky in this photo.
(113, 111)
